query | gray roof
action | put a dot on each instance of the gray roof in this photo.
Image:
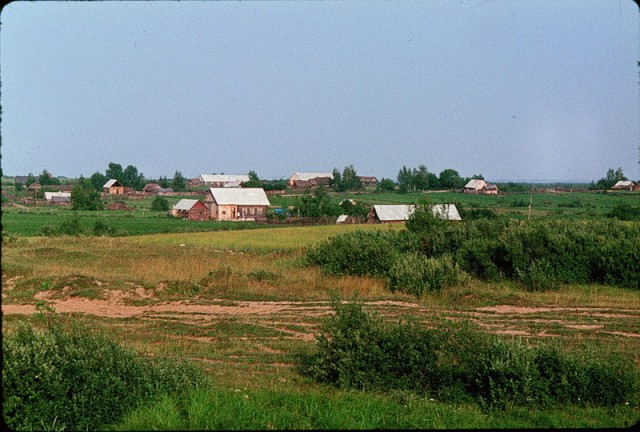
(475, 184)
(185, 204)
(306, 176)
(50, 195)
(240, 196)
(399, 212)
(224, 178)
(110, 183)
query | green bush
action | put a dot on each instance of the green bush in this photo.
(75, 380)
(100, 228)
(159, 204)
(458, 363)
(417, 274)
(357, 253)
(70, 227)
(624, 211)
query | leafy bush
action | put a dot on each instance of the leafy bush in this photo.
(456, 362)
(100, 228)
(416, 274)
(76, 380)
(624, 211)
(357, 253)
(70, 227)
(159, 204)
(539, 276)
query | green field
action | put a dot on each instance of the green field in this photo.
(243, 306)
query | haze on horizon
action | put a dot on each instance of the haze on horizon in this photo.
(513, 90)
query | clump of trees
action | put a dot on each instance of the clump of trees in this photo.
(347, 180)
(420, 179)
(612, 177)
(85, 197)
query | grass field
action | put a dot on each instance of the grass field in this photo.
(241, 304)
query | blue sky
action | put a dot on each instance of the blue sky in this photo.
(537, 90)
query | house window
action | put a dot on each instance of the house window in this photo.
(259, 210)
(252, 210)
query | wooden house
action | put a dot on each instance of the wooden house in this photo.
(223, 180)
(190, 209)
(34, 187)
(623, 185)
(478, 186)
(236, 204)
(113, 187)
(301, 180)
(368, 181)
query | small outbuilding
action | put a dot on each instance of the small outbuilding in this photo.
(223, 180)
(479, 186)
(301, 180)
(190, 209)
(113, 187)
(624, 185)
(236, 204)
(398, 213)
(368, 181)
(61, 198)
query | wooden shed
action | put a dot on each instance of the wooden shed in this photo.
(190, 209)
(479, 186)
(400, 213)
(236, 204)
(113, 187)
(301, 180)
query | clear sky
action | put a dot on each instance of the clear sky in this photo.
(536, 90)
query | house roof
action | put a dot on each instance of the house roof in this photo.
(112, 182)
(446, 211)
(224, 178)
(306, 176)
(623, 183)
(185, 204)
(387, 213)
(475, 184)
(50, 195)
(240, 196)
(394, 212)
(367, 178)
(342, 219)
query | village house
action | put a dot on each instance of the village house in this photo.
(61, 198)
(478, 186)
(398, 213)
(113, 187)
(190, 209)
(34, 187)
(301, 180)
(623, 185)
(223, 180)
(368, 181)
(236, 204)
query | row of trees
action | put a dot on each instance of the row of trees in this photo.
(419, 179)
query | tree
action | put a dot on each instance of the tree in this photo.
(386, 185)
(449, 178)
(98, 180)
(163, 182)
(336, 181)
(45, 178)
(405, 180)
(317, 204)
(30, 179)
(114, 171)
(434, 181)
(477, 177)
(179, 183)
(85, 197)
(350, 179)
(19, 187)
(611, 178)
(254, 180)
(421, 178)
(132, 178)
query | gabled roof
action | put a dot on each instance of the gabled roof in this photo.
(388, 213)
(50, 195)
(306, 176)
(623, 183)
(475, 184)
(112, 182)
(394, 212)
(185, 204)
(240, 196)
(224, 178)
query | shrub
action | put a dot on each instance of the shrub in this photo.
(100, 228)
(416, 274)
(624, 211)
(456, 362)
(70, 227)
(357, 253)
(159, 204)
(539, 276)
(77, 380)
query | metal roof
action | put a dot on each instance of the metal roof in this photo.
(185, 204)
(49, 195)
(239, 196)
(224, 178)
(399, 212)
(396, 212)
(342, 219)
(623, 183)
(475, 184)
(110, 183)
(306, 176)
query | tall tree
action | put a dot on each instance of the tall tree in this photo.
(133, 178)
(254, 180)
(449, 178)
(114, 171)
(405, 180)
(421, 178)
(179, 183)
(98, 180)
(386, 185)
(85, 197)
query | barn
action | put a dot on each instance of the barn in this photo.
(623, 185)
(479, 186)
(301, 180)
(58, 197)
(236, 204)
(113, 187)
(223, 180)
(190, 209)
(368, 181)
(398, 213)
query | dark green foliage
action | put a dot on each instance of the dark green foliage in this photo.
(76, 380)
(85, 197)
(98, 180)
(70, 227)
(357, 253)
(348, 180)
(100, 228)
(179, 183)
(457, 363)
(611, 178)
(19, 187)
(625, 211)
(317, 204)
(45, 178)
(385, 185)
(254, 181)
(159, 204)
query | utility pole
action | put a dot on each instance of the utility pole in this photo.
(530, 202)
